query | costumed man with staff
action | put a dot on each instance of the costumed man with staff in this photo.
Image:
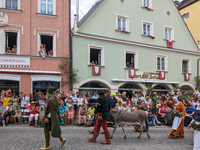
(52, 119)
(179, 114)
(103, 108)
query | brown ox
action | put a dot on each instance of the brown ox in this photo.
(122, 118)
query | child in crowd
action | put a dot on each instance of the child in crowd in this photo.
(17, 115)
(41, 101)
(90, 114)
(9, 113)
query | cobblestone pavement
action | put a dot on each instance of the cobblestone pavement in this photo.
(30, 138)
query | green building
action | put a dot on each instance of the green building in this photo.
(148, 34)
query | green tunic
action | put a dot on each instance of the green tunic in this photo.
(54, 122)
(104, 106)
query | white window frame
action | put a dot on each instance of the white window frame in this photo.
(3, 4)
(54, 7)
(3, 41)
(150, 4)
(189, 64)
(122, 17)
(172, 32)
(102, 53)
(166, 62)
(151, 27)
(135, 59)
(54, 41)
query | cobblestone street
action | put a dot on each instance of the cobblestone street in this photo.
(30, 138)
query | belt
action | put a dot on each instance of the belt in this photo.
(197, 120)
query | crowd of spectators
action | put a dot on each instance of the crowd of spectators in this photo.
(75, 110)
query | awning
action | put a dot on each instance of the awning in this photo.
(144, 81)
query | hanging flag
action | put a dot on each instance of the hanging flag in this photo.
(132, 73)
(187, 76)
(96, 70)
(162, 75)
(169, 44)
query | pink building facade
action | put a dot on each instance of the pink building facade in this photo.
(25, 25)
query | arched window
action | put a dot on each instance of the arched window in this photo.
(161, 88)
(186, 88)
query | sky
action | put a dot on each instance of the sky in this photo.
(84, 6)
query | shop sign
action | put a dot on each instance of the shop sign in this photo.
(14, 61)
(148, 75)
(96, 70)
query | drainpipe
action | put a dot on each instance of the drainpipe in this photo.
(198, 72)
(70, 39)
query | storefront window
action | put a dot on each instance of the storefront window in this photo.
(42, 86)
(9, 84)
(92, 87)
(130, 89)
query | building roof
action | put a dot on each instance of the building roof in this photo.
(90, 12)
(186, 3)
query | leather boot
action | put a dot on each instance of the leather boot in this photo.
(63, 141)
(45, 148)
(92, 132)
(108, 141)
(93, 139)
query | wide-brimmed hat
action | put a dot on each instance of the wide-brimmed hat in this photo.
(154, 93)
(32, 102)
(123, 103)
(69, 106)
(119, 94)
(158, 105)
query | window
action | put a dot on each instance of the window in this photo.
(185, 16)
(11, 42)
(146, 29)
(130, 59)
(122, 23)
(96, 55)
(47, 6)
(169, 33)
(185, 66)
(46, 43)
(12, 4)
(161, 63)
(146, 3)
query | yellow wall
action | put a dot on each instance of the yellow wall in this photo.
(193, 22)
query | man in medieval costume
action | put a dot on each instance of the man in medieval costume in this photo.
(179, 114)
(52, 119)
(103, 108)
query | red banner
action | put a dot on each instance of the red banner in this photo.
(132, 73)
(96, 70)
(169, 44)
(162, 75)
(187, 76)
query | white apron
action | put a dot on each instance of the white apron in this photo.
(176, 123)
(177, 120)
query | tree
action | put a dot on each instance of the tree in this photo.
(195, 79)
(70, 73)
(175, 87)
(149, 87)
